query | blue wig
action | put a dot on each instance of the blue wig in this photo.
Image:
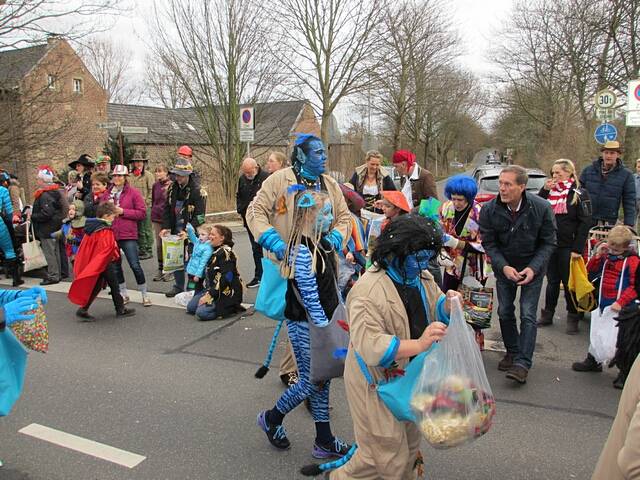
(461, 185)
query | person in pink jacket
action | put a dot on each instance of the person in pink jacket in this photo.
(131, 209)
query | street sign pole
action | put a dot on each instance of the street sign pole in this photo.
(247, 127)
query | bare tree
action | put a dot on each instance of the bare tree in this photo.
(163, 86)
(110, 64)
(329, 46)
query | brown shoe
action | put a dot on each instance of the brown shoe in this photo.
(572, 323)
(506, 363)
(546, 318)
(518, 373)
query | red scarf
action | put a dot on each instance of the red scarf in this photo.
(48, 188)
(558, 196)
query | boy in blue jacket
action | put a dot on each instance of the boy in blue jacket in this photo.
(202, 251)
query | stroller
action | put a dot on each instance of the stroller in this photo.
(598, 235)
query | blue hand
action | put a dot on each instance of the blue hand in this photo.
(15, 311)
(35, 292)
(271, 241)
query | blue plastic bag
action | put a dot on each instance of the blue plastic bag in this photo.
(270, 300)
(13, 363)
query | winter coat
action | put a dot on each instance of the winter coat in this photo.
(50, 208)
(620, 457)
(273, 207)
(573, 226)
(184, 205)
(383, 180)
(81, 193)
(247, 190)
(528, 241)
(612, 275)
(16, 192)
(92, 201)
(377, 320)
(608, 192)
(144, 184)
(200, 256)
(159, 200)
(423, 187)
(223, 281)
(125, 226)
(6, 207)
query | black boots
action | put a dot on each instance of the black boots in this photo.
(588, 365)
(14, 268)
(572, 323)
(546, 318)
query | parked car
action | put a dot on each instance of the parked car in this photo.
(492, 160)
(487, 180)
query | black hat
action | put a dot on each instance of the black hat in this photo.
(84, 159)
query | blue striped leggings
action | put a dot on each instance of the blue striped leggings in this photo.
(296, 394)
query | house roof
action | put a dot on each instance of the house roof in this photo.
(274, 123)
(16, 63)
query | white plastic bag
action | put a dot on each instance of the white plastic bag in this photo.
(603, 335)
(452, 399)
(172, 253)
(345, 272)
(183, 298)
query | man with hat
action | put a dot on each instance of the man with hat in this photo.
(417, 183)
(83, 165)
(103, 164)
(609, 184)
(186, 203)
(143, 180)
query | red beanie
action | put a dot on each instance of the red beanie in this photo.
(404, 156)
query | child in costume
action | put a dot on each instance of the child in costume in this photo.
(311, 269)
(202, 251)
(96, 265)
(222, 295)
(72, 230)
(617, 266)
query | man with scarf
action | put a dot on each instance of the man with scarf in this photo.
(610, 184)
(50, 208)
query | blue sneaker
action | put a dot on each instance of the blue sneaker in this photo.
(276, 434)
(335, 449)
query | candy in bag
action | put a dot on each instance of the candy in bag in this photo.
(452, 399)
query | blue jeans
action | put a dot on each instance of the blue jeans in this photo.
(130, 249)
(203, 312)
(520, 345)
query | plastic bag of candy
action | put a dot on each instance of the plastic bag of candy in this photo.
(452, 399)
(34, 334)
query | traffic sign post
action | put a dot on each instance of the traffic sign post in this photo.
(605, 99)
(633, 104)
(605, 133)
(605, 115)
(247, 126)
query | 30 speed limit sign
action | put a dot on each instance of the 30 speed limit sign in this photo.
(605, 99)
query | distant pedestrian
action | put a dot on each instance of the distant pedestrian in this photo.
(72, 230)
(275, 161)
(519, 235)
(249, 183)
(202, 250)
(610, 184)
(84, 166)
(142, 179)
(572, 209)
(158, 202)
(369, 180)
(103, 164)
(71, 188)
(417, 183)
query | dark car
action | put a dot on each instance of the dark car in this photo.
(487, 180)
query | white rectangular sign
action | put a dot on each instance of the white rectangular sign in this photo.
(134, 130)
(633, 104)
(246, 135)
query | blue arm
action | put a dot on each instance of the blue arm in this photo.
(271, 241)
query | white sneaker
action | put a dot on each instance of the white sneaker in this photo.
(146, 301)
(125, 300)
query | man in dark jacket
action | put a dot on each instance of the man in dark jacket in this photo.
(186, 203)
(609, 184)
(518, 233)
(249, 183)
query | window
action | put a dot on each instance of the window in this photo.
(175, 126)
(51, 82)
(190, 127)
(77, 85)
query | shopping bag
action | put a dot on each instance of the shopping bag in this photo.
(477, 302)
(13, 363)
(603, 334)
(183, 298)
(270, 300)
(452, 399)
(172, 253)
(346, 270)
(329, 344)
(33, 334)
(582, 290)
(32, 251)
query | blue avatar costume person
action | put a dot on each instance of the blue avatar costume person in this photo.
(7, 237)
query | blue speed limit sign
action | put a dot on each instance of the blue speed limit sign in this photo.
(605, 133)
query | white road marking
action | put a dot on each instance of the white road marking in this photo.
(83, 445)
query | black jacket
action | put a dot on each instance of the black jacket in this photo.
(608, 192)
(223, 281)
(528, 241)
(573, 227)
(247, 189)
(49, 209)
(192, 210)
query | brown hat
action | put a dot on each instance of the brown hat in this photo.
(611, 145)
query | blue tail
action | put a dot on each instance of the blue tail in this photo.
(314, 470)
(264, 368)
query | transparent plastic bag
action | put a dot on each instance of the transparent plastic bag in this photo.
(452, 399)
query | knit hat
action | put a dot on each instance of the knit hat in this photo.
(404, 156)
(45, 173)
(182, 167)
(397, 199)
(80, 220)
(354, 201)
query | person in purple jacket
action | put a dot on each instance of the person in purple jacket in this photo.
(131, 209)
(158, 201)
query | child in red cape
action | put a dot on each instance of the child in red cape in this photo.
(95, 264)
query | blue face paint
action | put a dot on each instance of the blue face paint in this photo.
(324, 218)
(417, 262)
(312, 163)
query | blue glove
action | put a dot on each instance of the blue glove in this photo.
(34, 293)
(14, 311)
(270, 240)
(335, 239)
(190, 228)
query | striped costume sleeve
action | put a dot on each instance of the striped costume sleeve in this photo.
(308, 286)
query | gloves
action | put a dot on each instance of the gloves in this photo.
(14, 311)
(335, 239)
(270, 240)
(449, 241)
(190, 228)
(34, 293)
